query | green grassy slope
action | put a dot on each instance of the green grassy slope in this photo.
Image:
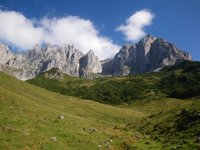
(173, 123)
(179, 81)
(110, 90)
(28, 120)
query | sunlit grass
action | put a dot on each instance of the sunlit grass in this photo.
(28, 120)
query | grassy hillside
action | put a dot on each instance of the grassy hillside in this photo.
(30, 119)
(110, 90)
(179, 81)
(173, 123)
(29, 115)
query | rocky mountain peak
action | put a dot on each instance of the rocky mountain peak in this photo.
(67, 46)
(145, 44)
(126, 47)
(90, 64)
(5, 54)
(66, 58)
(90, 53)
(148, 38)
(91, 57)
(37, 47)
(4, 50)
(148, 54)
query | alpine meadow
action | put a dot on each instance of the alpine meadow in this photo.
(99, 75)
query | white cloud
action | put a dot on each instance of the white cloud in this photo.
(134, 27)
(25, 33)
(18, 30)
(79, 32)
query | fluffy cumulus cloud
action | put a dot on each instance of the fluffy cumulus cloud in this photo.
(24, 33)
(18, 30)
(134, 27)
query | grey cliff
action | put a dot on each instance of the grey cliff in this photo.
(149, 54)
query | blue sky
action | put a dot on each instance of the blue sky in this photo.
(178, 21)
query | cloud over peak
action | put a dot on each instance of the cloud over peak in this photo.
(24, 33)
(134, 27)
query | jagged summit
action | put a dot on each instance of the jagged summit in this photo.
(90, 52)
(148, 54)
(147, 38)
(30, 63)
(89, 64)
(5, 53)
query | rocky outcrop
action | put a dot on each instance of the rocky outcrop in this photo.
(5, 54)
(106, 66)
(149, 54)
(89, 64)
(30, 63)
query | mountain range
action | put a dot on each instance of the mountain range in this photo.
(156, 108)
(149, 54)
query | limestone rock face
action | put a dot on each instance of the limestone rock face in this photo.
(5, 54)
(30, 63)
(106, 66)
(90, 64)
(149, 54)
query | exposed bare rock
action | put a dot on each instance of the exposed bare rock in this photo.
(90, 64)
(30, 63)
(5, 54)
(149, 54)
